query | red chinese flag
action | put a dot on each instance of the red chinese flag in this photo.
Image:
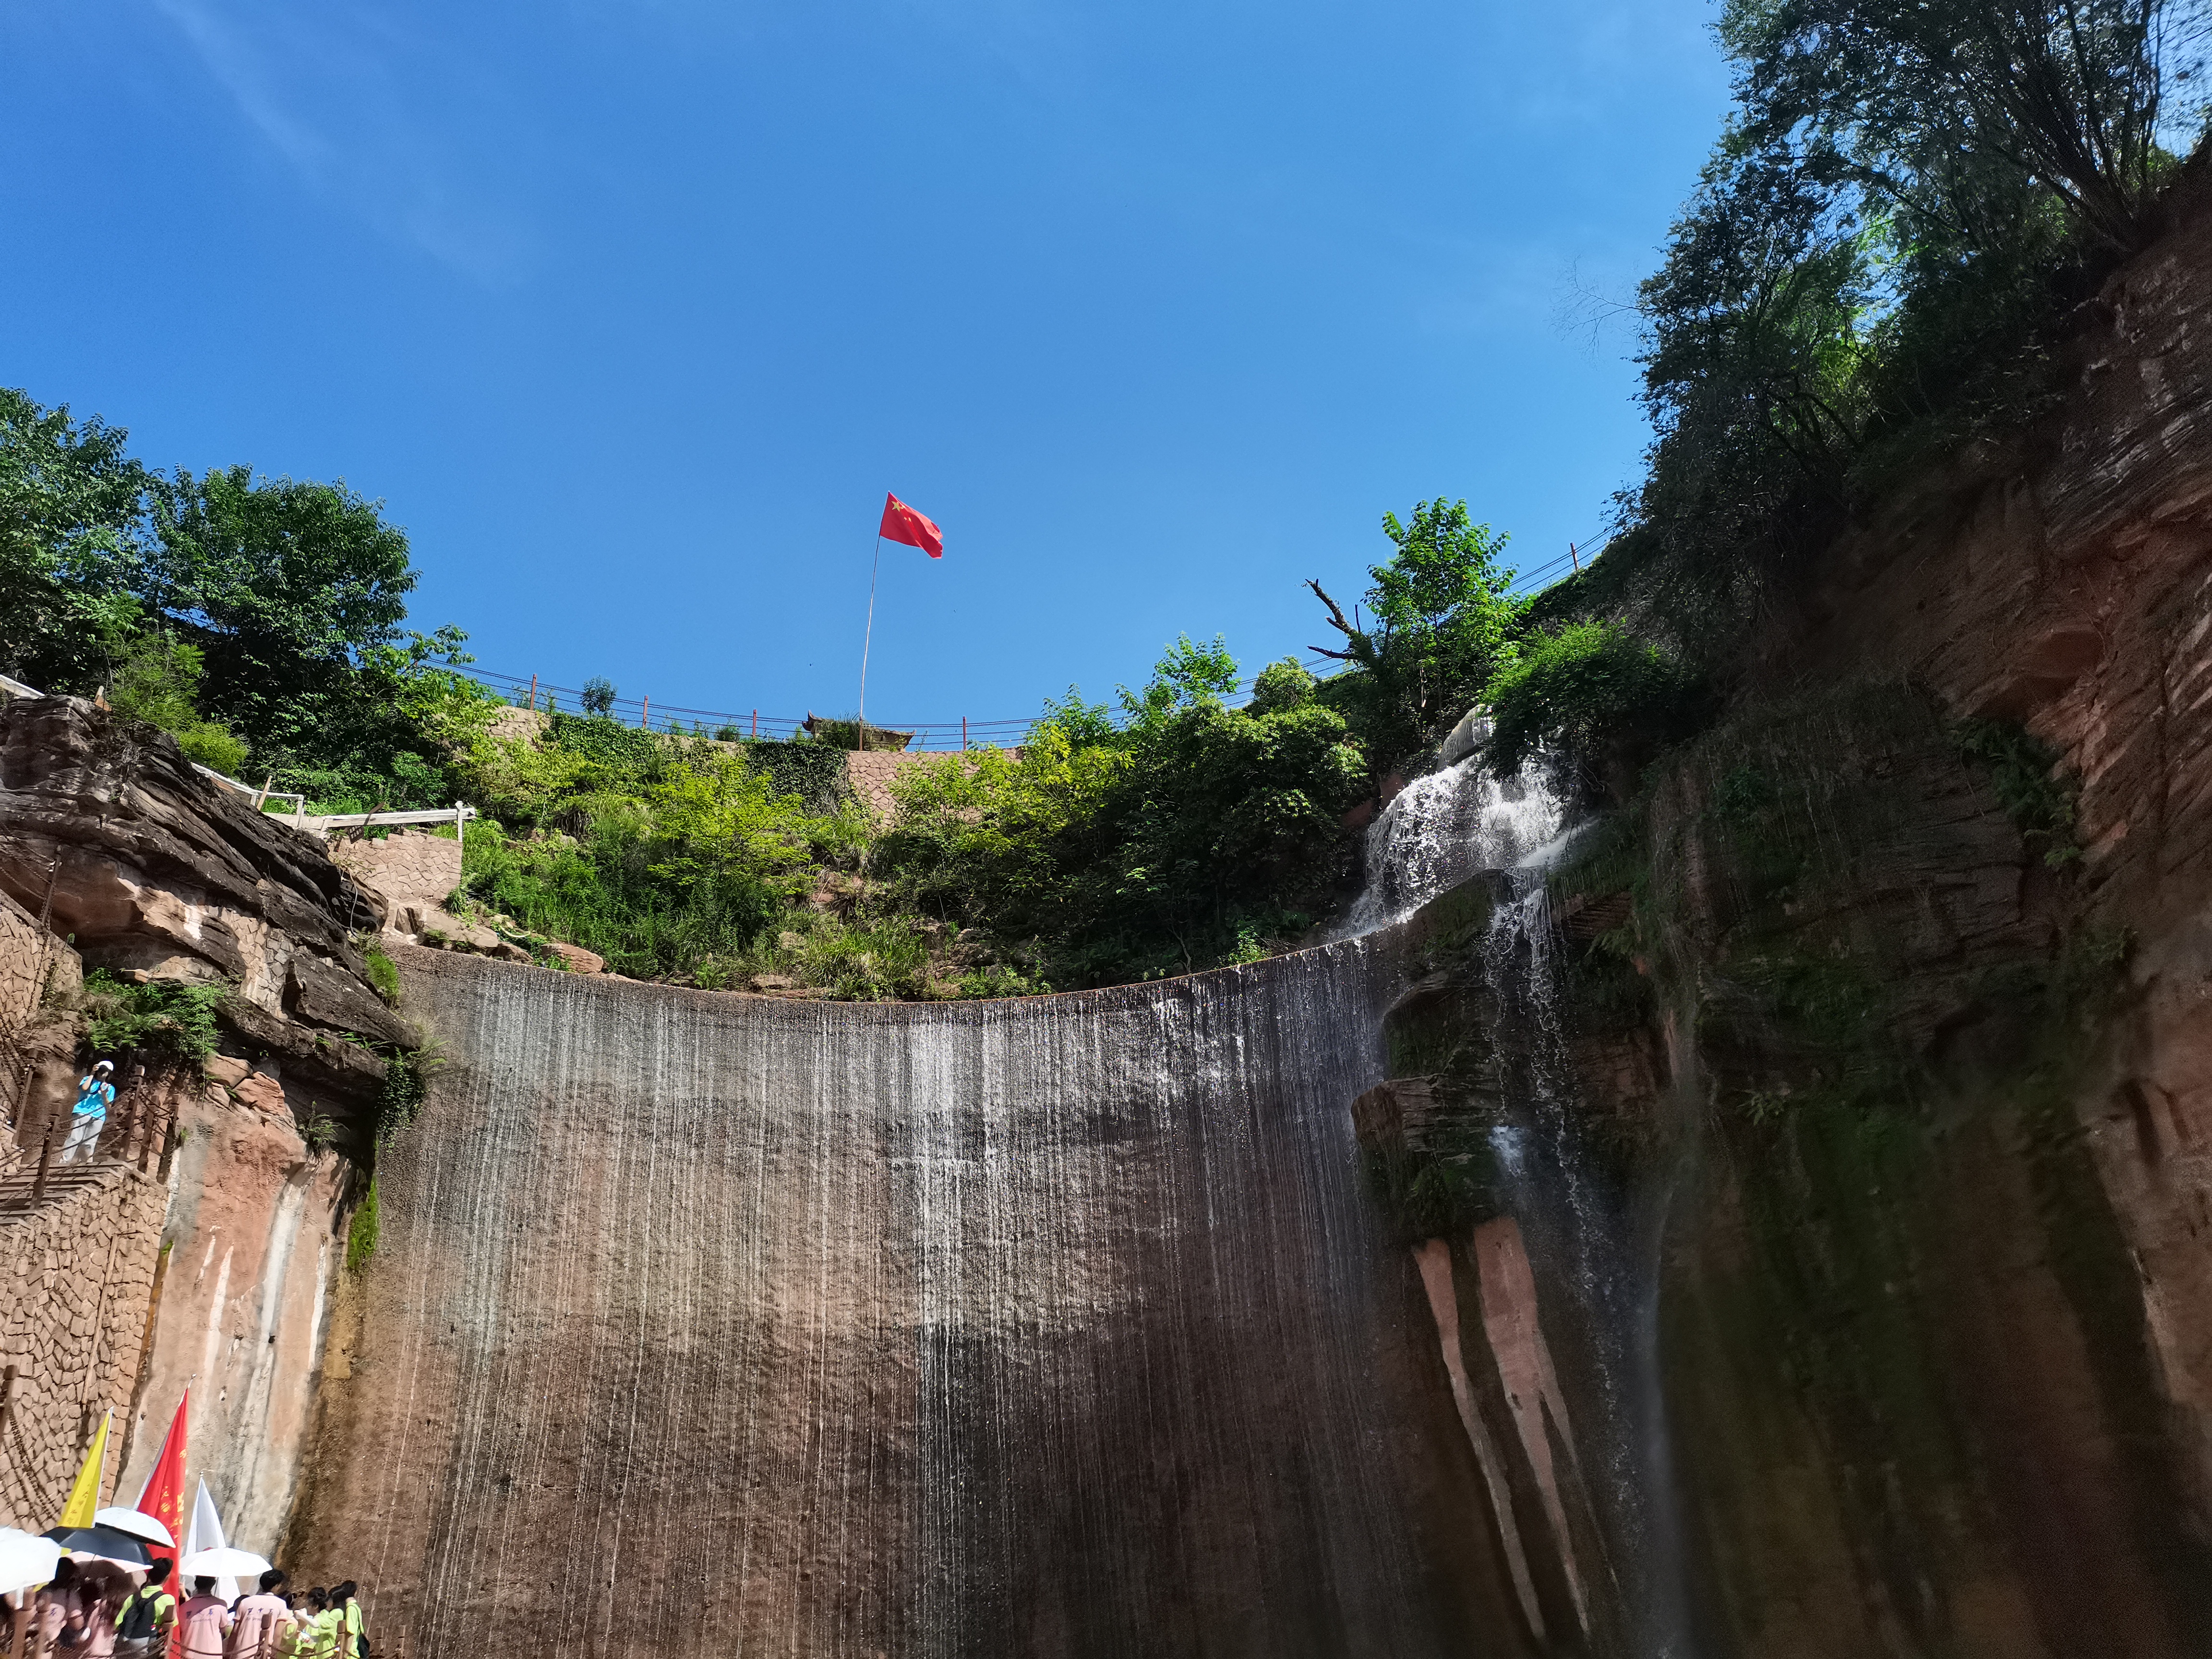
(902, 523)
(164, 1496)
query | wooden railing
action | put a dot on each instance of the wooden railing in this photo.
(141, 1129)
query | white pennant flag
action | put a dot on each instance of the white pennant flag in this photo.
(206, 1533)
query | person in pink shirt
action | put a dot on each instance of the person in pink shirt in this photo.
(259, 1619)
(58, 1620)
(102, 1586)
(202, 1623)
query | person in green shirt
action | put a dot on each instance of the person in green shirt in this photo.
(142, 1623)
(353, 1643)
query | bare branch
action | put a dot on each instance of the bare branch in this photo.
(1335, 612)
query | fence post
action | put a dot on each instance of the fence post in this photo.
(46, 1159)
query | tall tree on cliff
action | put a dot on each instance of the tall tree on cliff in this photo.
(1911, 199)
(1943, 105)
(287, 582)
(1442, 623)
(295, 591)
(73, 534)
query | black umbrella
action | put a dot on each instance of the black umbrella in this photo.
(106, 1542)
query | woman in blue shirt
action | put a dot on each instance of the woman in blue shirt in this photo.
(95, 1095)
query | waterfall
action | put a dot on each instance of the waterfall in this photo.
(1595, 1247)
(1053, 1326)
(711, 1323)
(1445, 827)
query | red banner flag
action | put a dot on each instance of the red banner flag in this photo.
(902, 523)
(164, 1496)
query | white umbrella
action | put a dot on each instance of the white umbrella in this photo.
(25, 1560)
(137, 1523)
(224, 1563)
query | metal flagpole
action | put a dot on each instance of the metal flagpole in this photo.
(860, 740)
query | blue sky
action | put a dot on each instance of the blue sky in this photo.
(631, 310)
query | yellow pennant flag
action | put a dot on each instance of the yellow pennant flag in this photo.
(84, 1497)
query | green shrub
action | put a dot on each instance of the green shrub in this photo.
(407, 1075)
(362, 1231)
(864, 962)
(164, 1016)
(845, 734)
(158, 683)
(1592, 689)
(1196, 834)
(214, 747)
(812, 773)
(683, 852)
(621, 754)
(998, 980)
(383, 974)
(2035, 793)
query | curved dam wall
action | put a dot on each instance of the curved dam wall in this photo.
(1057, 1326)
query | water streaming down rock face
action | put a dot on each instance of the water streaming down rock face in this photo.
(1445, 827)
(1047, 1326)
(1595, 1248)
(1571, 1260)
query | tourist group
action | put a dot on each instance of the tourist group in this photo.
(114, 1581)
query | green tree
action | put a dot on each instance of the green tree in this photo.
(1940, 105)
(1193, 835)
(1754, 369)
(73, 532)
(1443, 621)
(287, 585)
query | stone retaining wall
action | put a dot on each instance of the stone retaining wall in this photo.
(415, 870)
(21, 963)
(76, 1271)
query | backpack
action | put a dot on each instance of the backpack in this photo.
(141, 1609)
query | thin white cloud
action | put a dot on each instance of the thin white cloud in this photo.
(340, 97)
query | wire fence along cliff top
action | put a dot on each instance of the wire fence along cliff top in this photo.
(529, 691)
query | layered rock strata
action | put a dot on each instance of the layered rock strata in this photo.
(156, 873)
(214, 1267)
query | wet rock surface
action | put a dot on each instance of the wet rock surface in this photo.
(1033, 1327)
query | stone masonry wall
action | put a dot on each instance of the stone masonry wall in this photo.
(415, 870)
(75, 1274)
(20, 960)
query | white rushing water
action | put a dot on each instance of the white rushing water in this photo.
(1594, 1245)
(1443, 828)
